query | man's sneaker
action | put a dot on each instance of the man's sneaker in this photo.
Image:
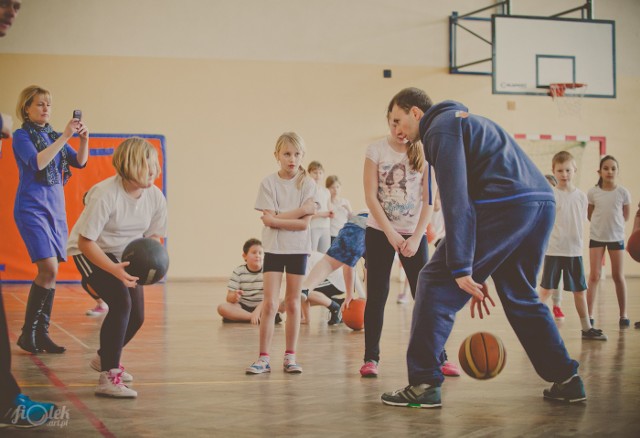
(369, 369)
(336, 316)
(624, 322)
(557, 312)
(570, 392)
(450, 369)
(96, 365)
(26, 413)
(98, 310)
(259, 367)
(290, 365)
(594, 333)
(110, 385)
(421, 396)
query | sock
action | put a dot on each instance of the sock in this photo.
(265, 357)
(334, 307)
(586, 324)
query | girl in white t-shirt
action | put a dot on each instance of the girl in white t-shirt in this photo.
(340, 206)
(122, 208)
(286, 200)
(396, 186)
(608, 210)
(321, 221)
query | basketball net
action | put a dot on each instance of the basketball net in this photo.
(568, 97)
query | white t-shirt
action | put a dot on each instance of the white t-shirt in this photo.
(399, 187)
(283, 195)
(112, 218)
(607, 222)
(437, 222)
(571, 213)
(341, 208)
(322, 197)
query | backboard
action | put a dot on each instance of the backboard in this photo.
(529, 53)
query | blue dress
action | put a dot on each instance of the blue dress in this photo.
(39, 209)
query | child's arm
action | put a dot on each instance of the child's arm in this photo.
(95, 254)
(308, 207)
(273, 221)
(233, 296)
(590, 211)
(625, 212)
(412, 244)
(255, 315)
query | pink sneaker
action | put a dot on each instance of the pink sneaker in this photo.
(450, 369)
(97, 311)
(557, 312)
(369, 369)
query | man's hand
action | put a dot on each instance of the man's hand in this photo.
(480, 303)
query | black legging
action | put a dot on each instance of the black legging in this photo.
(126, 310)
(380, 255)
(9, 388)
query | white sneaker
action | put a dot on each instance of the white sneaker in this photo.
(96, 364)
(98, 310)
(110, 385)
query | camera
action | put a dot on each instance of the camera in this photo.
(77, 114)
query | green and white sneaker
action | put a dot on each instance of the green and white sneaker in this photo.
(420, 396)
(570, 392)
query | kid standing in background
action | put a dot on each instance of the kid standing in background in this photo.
(340, 207)
(321, 221)
(564, 253)
(286, 201)
(556, 296)
(118, 210)
(397, 193)
(608, 211)
(244, 294)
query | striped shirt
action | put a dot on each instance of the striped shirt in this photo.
(250, 283)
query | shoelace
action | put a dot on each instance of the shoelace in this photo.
(116, 378)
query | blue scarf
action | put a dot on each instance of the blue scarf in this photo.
(49, 175)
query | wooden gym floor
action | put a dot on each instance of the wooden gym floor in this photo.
(189, 373)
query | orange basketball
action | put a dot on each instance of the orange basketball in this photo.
(353, 316)
(482, 356)
(633, 246)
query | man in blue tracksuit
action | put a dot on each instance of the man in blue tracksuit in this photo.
(498, 210)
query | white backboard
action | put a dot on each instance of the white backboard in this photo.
(529, 53)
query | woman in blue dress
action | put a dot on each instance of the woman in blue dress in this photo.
(44, 158)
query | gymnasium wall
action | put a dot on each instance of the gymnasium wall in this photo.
(221, 116)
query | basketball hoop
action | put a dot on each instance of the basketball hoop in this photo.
(568, 96)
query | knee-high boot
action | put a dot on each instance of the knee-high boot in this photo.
(27, 340)
(43, 341)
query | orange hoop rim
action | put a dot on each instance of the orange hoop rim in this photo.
(558, 89)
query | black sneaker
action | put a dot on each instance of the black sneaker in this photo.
(421, 396)
(570, 392)
(594, 333)
(278, 318)
(624, 322)
(336, 316)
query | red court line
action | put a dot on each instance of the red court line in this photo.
(93, 419)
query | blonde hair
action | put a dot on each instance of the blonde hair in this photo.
(331, 180)
(26, 99)
(314, 165)
(562, 157)
(296, 141)
(135, 159)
